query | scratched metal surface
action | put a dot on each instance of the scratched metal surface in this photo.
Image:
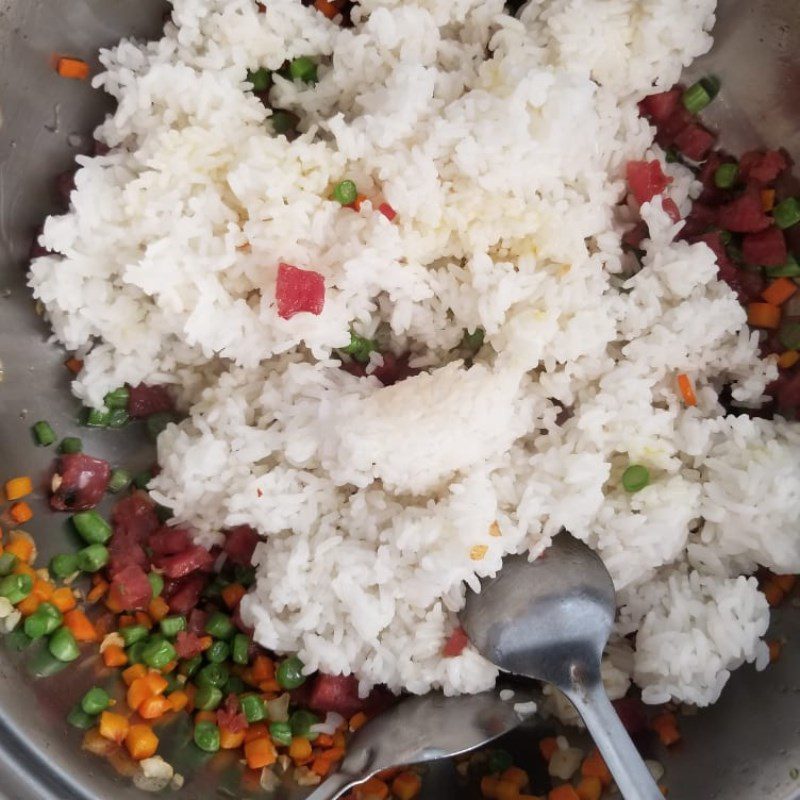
(744, 747)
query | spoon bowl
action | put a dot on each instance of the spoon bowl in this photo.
(550, 619)
(421, 729)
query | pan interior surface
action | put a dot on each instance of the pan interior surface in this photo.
(747, 746)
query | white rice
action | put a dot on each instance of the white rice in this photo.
(378, 505)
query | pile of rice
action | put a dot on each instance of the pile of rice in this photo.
(501, 142)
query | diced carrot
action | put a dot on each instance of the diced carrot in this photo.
(339, 739)
(133, 672)
(21, 547)
(326, 7)
(191, 693)
(232, 594)
(489, 786)
(113, 602)
(137, 693)
(74, 365)
(767, 199)
(666, 726)
(44, 590)
(321, 765)
(230, 740)
(687, 389)
(20, 512)
(357, 720)
(29, 605)
(156, 683)
(145, 620)
(97, 591)
(114, 656)
(763, 315)
(170, 666)
(17, 488)
(773, 592)
(178, 700)
(97, 744)
(270, 685)
(356, 204)
(775, 648)
(547, 747)
(786, 582)
(74, 68)
(516, 776)
(260, 753)
(779, 291)
(263, 668)
(24, 569)
(113, 726)
(158, 608)
(563, 792)
(300, 750)
(205, 716)
(388, 775)
(205, 643)
(126, 619)
(80, 625)
(788, 358)
(374, 789)
(63, 599)
(595, 767)
(506, 790)
(154, 707)
(589, 788)
(257, 731)
(406, 785)
(141, 742)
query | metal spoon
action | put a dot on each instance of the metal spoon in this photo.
(420, 729)
(550, 619)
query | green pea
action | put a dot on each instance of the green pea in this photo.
(7, 563)
(120, 479)
(290, 673)
(70, 444)
(62, 645)
(212, 675)
(64, 565)
(93, 558)
(303, 69)
(91, 527)
(301, 721)
(208, 698)
(241, 649)
(156, 583)
(172, 626)
(635, 478)
(135, 653)
(15, 588)
(133, 633)
(281, 732)
(43, 621)
(345, 192)
(253, 707)
(189, 666)
(118, 398)
(95, 700)
(218, 652)
(206, 736)
(157, 653)
(220, 626)
(78, 718)
(259, 79)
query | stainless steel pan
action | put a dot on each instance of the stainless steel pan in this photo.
(746, 747)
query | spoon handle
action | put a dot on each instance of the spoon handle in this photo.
(621, 756)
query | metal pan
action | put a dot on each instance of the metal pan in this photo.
(746, 747)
